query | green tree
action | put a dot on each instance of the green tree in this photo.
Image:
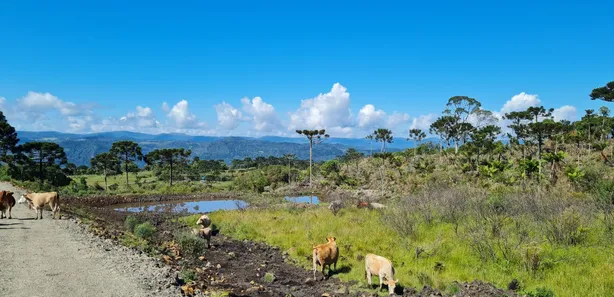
(170, 157)
(353, 156)
(605, 93)
(460, 108)
(8, 138)
(105, 163)
(127, 152)
(443, 127)
(417, 135)
(384, 136)
(44, 154)
(314, 137)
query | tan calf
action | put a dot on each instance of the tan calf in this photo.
(204, 221)
(7, 201)
(39, 200)
(382, 267)
(204, 233)
(325, 254)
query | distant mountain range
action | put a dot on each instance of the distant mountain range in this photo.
(80, 148)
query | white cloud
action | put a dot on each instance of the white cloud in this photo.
(41, 102)
(369, 117)
(262, 114)
(2, 101)
(228, 117)
(566, 112)
(396, 119)
(324, 111)
(165, 107)
(142, 118)
(423, 122)
(520, 102)
(182, 118)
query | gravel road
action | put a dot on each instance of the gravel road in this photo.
(48, 258)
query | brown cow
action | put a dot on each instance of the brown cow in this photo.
(325, 254)
(363, 204)
(38, 201)
(7, 201)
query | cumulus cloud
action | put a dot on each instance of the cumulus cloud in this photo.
(423, 122)
(228, 117)
(41, 102)
(262, 114)
(324, 111)
(369, 117)
(566, 112)
(520, 102)
(396, 119)
(182, 118)
(143, 117)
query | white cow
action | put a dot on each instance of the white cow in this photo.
(382, 267)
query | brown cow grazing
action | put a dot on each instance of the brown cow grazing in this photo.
(7, 201)
(382, 267)
(325, 254)
(204, 233)
(363, 204)
(39, 200)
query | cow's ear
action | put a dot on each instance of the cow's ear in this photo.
(334, 238)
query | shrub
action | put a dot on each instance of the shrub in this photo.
(187, 275)
(144, 230)
(191, 245)
(541, 292)
(130, 222)
(269, 277)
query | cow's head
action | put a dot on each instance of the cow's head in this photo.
(22, 200)
(331, 239)
(391, 285)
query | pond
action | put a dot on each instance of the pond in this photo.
(303, 199)
(189, 207)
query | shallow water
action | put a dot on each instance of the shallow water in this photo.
(189, 207)
(303, 199)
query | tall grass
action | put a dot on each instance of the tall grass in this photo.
(554, 241)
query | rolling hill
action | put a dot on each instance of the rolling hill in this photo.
(80, 148)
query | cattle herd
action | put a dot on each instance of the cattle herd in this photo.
(35, 201)
(325, 254)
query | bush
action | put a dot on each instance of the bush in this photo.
(144, 230)
(187, 275)
(541, 292)
(130, 222)
(269, 277)
(191, 245)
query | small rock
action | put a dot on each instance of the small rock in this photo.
(218, 266)
(202, 258)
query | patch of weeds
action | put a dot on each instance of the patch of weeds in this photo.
(130, 222)
(187, 275)
(453, 289)
(541, 292)
(269, 277)
(191, 245)
(425, 279)
(144, 230)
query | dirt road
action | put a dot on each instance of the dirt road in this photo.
(48, 258)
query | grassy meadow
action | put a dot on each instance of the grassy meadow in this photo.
(434, 254)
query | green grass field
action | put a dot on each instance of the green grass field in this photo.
(586, 270)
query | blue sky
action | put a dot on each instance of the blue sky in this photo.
(345, 66)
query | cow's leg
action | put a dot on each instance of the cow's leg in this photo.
(2, 214)
(368, 276)
(10, 215)
(381, 281)
(335, 266)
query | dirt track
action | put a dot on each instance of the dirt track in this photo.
(48, 258)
